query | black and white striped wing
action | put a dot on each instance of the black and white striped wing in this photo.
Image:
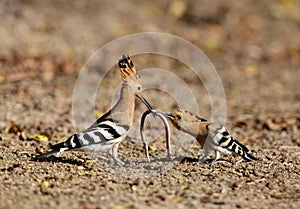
(223, 139)
(99, 137)
(107, 132)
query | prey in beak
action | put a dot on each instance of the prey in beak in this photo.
(144, 101)
(162, 116)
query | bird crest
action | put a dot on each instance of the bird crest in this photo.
(127, 69)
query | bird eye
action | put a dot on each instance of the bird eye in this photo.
(139, 88)
(179, 117)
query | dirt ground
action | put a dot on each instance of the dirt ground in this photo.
(255, 48)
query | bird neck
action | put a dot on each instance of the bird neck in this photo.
(124, 108)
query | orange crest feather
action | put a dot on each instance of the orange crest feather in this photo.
(127, 68)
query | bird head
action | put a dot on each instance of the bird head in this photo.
(175, 117)
(132, 79)
(183, 119)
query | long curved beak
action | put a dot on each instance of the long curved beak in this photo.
(144, 101)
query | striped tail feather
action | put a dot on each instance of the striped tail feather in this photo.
(60, 147)
(232, 144)
(243, 151)
(248, 157)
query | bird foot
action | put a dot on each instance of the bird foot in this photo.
(119, 162)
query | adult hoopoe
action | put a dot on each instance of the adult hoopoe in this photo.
(211, 136)
(110, 129)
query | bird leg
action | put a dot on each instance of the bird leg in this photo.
(115, 155)
(217, 157)
(206, 149)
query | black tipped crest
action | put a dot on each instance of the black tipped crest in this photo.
(127, 68)
(124, 61)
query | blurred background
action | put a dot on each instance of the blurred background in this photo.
(254, 45)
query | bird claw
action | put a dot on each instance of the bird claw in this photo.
(119, 162)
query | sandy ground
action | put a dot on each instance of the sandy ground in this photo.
(255, 48)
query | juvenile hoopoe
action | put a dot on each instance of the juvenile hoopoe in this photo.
(211, 136)
(110, 129)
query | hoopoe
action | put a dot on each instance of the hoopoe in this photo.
(111, 128)
(211, 136)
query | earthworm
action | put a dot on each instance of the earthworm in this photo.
(167, 129)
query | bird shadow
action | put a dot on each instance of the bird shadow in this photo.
(55, 159)
(182, 159)
(179, 159)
